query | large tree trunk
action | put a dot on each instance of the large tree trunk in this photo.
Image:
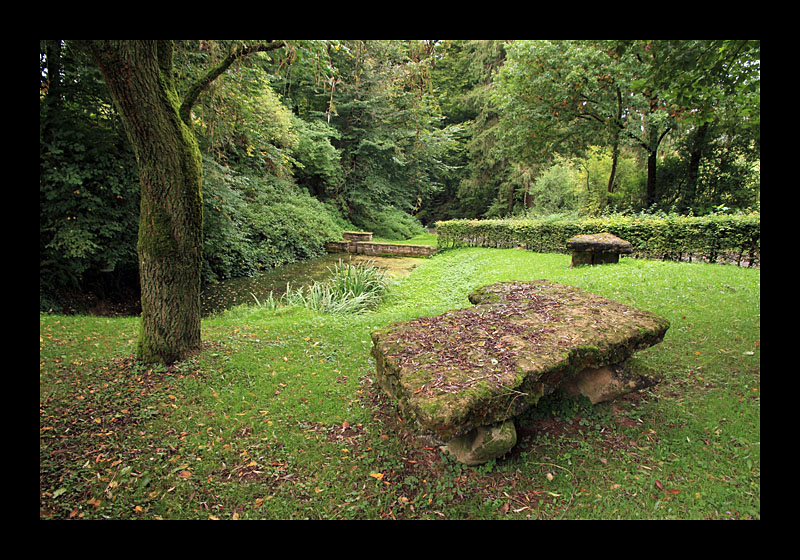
(139, 75)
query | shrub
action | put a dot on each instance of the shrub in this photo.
(664, 236)
(390, 223)
(251, 223)
(555, 189)
(88, 209)
(350, 289)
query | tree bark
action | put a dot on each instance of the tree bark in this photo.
(615, 143)
(139, 76)
(695, 157)
(614, 158)
(652, 162)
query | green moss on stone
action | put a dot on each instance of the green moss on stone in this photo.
(483, 365)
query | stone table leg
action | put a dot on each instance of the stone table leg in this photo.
(581, 257)
(484, 443)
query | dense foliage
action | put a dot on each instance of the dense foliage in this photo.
(686, 104)
(320, 136)
(255, 222)
(88, 187)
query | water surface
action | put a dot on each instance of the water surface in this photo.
(236, 291)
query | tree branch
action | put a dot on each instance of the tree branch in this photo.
(660, 138)
(199, 86)
(164, 53)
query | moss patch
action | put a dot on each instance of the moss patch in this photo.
(485, 364)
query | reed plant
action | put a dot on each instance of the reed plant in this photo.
(351, 288)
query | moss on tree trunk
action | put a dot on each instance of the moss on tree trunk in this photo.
(139, 75)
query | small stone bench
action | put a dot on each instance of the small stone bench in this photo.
(357, 235)
(463, 376)
(598, 248)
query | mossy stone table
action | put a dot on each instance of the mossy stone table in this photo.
(462, 377)
(597, 248)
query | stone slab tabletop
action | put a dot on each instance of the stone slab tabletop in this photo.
(482, 365)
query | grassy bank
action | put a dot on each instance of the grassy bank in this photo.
(421, 239)
(279, 417)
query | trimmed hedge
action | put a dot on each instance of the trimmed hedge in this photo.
(734, 238)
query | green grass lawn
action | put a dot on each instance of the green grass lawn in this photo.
(421, 239)
(279, 416)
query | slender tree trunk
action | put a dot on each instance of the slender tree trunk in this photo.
(615, 143)
(652, 160)
(511, 191)
(614, 157)
(696, 156)
(139, 76)
(652, 151)
(510, 201)
(650, 195)
(527, 199)
(53, 54)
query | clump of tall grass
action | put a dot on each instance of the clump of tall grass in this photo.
(351, 288)
(271, 302)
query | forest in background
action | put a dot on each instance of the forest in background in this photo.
(389, 136)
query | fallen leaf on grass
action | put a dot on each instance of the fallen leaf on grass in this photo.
(667, 490)
(504, 508)
(377, 475)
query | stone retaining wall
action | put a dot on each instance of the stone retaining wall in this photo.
(379, 249)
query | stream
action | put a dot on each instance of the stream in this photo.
(236, 291)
